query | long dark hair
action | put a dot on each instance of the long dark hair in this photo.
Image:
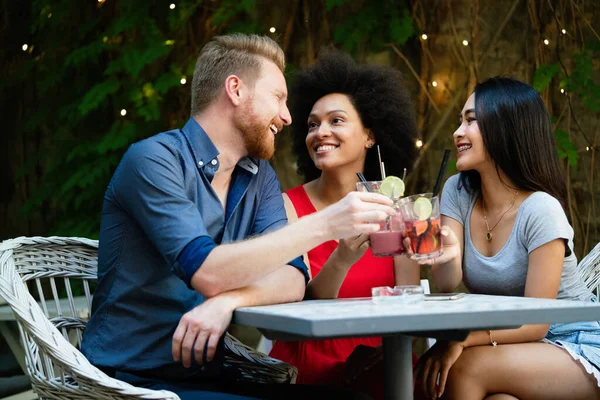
(517, 134)
(380, 98)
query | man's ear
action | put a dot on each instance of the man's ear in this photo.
(235, 89)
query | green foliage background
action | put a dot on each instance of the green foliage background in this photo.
(88, 60)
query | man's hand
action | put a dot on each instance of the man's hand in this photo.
(205, 323)
(356, 213)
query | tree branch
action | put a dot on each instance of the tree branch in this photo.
(566, 74)
(410, 67)
(511, 11)
(438, 127)
(586, 21)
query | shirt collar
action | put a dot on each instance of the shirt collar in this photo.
(204, 149)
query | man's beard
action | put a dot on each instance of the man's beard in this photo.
(256, 135)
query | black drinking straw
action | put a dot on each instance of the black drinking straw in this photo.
(436, 190)
(364, 180)
(440, 176)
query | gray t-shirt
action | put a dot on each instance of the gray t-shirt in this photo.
(540, 219)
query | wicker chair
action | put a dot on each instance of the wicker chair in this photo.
(51, 331)
(589, 269)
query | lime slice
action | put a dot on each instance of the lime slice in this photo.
(392, 187)
(422, 208)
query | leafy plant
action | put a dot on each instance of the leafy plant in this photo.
(96, 86)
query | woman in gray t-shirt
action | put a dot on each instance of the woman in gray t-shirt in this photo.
(506, 233)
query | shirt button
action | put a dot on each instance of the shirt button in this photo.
(214, 162)
(200, 163)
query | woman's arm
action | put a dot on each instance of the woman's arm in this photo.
(327, 283)
(406, 271)
(543, 280)
(447, 268)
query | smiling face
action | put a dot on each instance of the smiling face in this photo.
(264, 113)
(471, 152)
(336, 136)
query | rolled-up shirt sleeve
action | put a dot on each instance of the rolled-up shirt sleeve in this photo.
(271, 214)
(149, 185)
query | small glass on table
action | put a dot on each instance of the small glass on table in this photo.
(421, 215)
(398, 294)
(387, 241)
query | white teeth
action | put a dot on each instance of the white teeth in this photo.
(325, 148)
(274, 129)
(464, 147)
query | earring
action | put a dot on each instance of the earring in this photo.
(369, 145)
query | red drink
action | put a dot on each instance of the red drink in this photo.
(386, 243)
(425, 237)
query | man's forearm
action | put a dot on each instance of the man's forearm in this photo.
(238, 265)
(284, 285)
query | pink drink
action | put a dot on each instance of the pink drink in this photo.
(386, 243)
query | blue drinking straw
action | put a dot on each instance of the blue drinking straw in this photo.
(364, 180)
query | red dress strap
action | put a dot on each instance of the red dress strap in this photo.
(301, 201)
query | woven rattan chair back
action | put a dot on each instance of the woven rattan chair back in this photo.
(52, 323)
(589, 269)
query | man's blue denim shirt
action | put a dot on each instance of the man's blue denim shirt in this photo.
(160, 220)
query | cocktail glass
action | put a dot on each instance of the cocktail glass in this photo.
(421, 215)
(387, 241)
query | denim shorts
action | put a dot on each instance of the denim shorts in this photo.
(581, 340)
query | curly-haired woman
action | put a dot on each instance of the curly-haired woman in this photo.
(342, 111)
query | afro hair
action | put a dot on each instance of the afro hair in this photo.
(380, 98)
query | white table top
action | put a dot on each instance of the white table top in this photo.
(363, 317)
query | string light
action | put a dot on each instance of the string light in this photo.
(24, 47)
(564, 31)
(183, 80)
(170, 42)
(465, 43)
(587, 148)
(172, 6)
(562, 90)
(123, 112)
(546, 42)
(419, 143)
(50, 15)
(424, 36)
(434, 84)
(272, 30)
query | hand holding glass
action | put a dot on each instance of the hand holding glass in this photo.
(421, 215)
(387, 241)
